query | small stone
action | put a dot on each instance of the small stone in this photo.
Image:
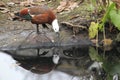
(52, 40)
(10, 4)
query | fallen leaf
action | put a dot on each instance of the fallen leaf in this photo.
(95, 41)
(27, 3)
(62, 6)
(72, 5)
(3, 10)
(2, 4)
(10, 4)
(107, 42)
(40, 0)
(66, 6)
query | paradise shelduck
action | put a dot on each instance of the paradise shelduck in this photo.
(39, 15)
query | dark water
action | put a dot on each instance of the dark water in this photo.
(84, 62)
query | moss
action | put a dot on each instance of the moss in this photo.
(54, 3)
(82, 11)
(2, 16)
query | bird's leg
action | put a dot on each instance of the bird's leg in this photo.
(37, 29)
(45, 26)
(38, 50)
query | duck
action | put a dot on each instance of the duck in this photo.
(39, 15)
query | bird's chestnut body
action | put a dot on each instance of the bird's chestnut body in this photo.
(40, 15)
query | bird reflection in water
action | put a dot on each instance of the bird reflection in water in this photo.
(9, 70)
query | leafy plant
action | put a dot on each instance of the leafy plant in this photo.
(93, 29)
(100, 25)
(115, 18)
(94, 55)
(106, 16)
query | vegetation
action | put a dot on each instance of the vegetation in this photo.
(111, 15)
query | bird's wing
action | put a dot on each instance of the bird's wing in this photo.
(39, 19)
(38, 10)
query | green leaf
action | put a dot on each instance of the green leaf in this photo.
(115, 18)
(93, 30)
(94, 55)
(106, 15)
(112, 67)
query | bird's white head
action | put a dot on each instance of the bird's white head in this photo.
(55, 25)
